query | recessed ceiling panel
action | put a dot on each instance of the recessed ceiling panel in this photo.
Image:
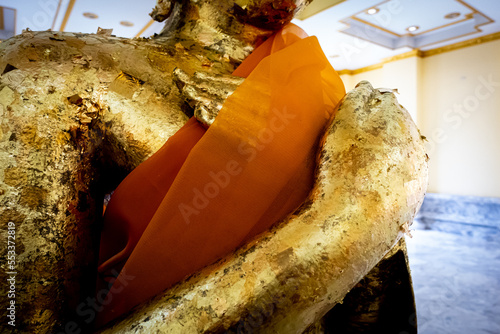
(399, 23)
(397, 15)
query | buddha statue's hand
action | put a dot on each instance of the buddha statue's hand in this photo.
(162, 10)
(205, 93)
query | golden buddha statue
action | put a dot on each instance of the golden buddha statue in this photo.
(81, 111)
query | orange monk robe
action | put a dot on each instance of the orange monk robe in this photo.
(252, 167)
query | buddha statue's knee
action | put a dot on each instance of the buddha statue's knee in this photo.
(64, 141)
(50, 140)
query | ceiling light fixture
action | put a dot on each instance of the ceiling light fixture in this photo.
(126, 23)
(90, 15)
(372, 11)
(412, 28)
(452, 15)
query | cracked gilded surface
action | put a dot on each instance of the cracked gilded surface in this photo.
(78, 112)
(370, 182)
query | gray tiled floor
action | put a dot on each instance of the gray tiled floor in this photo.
(456, 279)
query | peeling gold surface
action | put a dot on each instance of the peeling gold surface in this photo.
(76, 118)
(77, 113)
(289, 277)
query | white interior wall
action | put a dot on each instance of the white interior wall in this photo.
(461, 117)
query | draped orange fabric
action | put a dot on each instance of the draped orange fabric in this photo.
(204, 194)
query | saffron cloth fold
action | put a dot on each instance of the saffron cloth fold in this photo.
(203, 194)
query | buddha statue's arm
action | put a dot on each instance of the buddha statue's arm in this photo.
(370, 182)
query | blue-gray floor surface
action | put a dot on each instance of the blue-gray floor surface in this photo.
(456, 280)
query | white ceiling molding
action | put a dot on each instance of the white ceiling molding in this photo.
(389, 25)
